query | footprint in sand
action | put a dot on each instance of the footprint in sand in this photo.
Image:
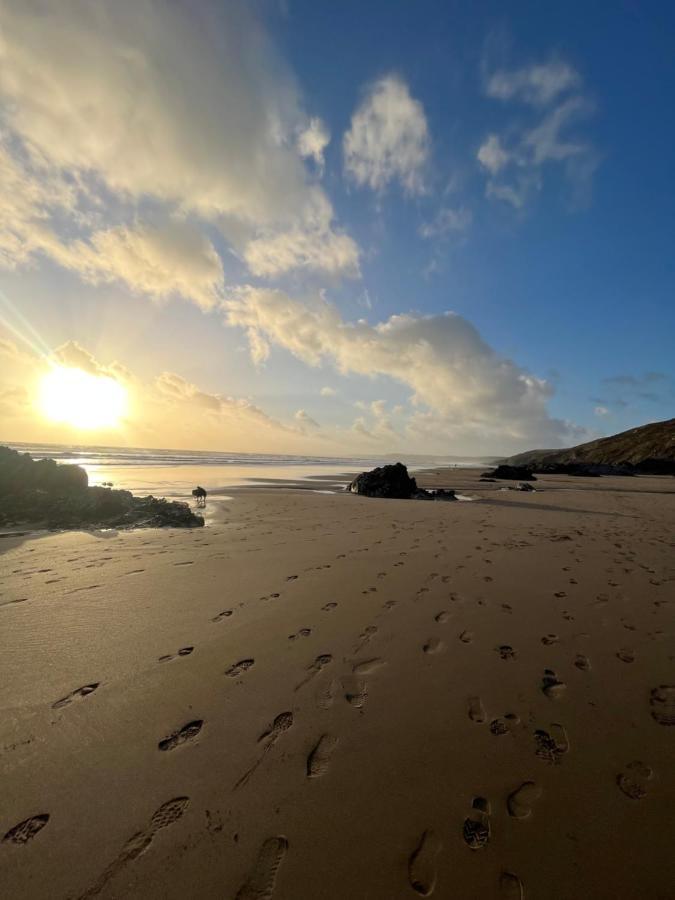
(442, 617)
(662, 702)
(476, 829)
(504, 725)
(365, 636)
(187, 733)
(521, 801)
(304, 632)
(506, 651)
(582, 662)
(476, 710)
(239, 668)
(320, 757)
(184, 651)
(262, 879)
(355, 691)
(466, 637)
(510, 886)
(367, 666)
(626, 655)
(433, 645)
(78, 693)
(633, 782)
(551, 685)
(281, 724)
(321, 661)
(25, 831)
(422, 864)
(329, 606)
(166, 815)
(549, 639)
(225, 614)
(551, 745)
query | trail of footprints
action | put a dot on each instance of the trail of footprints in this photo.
(550, 746)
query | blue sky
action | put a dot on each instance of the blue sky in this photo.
(215, 199)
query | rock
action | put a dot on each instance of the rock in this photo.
(513, 473)
(525, 486)
(57, 496)
(437, 494)
(392, 482)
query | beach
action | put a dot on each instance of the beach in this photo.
(320, 695)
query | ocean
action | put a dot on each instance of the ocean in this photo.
(173, 473)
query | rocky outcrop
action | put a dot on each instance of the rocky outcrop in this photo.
(391, 482)
(512, 473)
(647, 450)
(394, 483)
(44, 494)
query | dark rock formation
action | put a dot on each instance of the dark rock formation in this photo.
(512, 473)
(42, 493)
(392, 482)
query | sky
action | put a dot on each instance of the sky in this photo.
(312, 227)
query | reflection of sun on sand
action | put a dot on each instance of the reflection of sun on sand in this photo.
(81, 399)
(320, 696)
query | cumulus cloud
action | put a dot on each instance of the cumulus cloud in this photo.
(388, 139)
(443, 364)
(313, 140)
(188, 113)
(328, 392)
(537, 84)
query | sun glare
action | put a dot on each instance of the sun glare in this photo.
(82, 400)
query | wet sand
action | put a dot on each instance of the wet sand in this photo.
(326, 696)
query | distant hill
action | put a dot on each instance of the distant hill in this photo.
(647, 449)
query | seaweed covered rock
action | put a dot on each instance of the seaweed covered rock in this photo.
(43, 493)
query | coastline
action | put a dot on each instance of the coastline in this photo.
(385, 627)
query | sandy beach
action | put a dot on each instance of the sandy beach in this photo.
(328, 696)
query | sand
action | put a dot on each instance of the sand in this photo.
(327, 696)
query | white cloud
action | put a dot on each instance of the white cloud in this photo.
(515, 172)
(111, 110)
(388, 139)
(313, 140)
(537, 85)
(545, 140)
(174, 259)
(491, 155)
(454, 377)
(328, 392)
(311, 245)
(447, 220)
(601, 411)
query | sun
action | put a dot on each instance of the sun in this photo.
(81, 399)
